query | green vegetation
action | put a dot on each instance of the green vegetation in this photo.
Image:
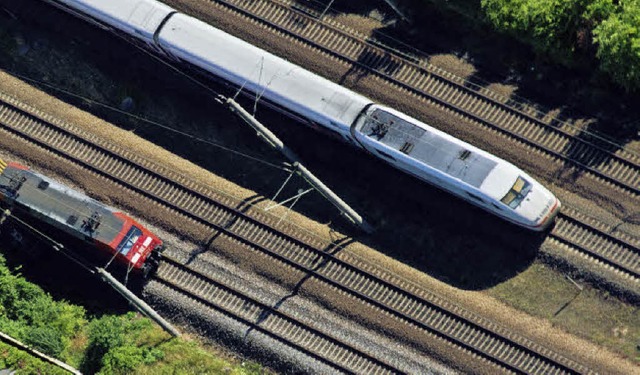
(618, 39)
(14, 358)
(126, 344)
(588, 313)
(548, 25)
(564, 28)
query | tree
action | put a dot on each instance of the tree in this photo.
(550, 26)
(104, 334)
(618, 41)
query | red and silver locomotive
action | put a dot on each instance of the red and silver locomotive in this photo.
(29, 193)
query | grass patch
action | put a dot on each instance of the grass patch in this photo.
(590, 313)
(109, 344)
(23, 363)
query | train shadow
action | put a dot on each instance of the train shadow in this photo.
(418, 225)
(428, 229)
(460, 245)
(36, 261)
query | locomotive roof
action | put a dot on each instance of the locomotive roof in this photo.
(61, 203)
(446, 154)
(261, 72)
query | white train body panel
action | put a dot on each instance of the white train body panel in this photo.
(455, 166)
(138, 18)
(404, 142)
(270, 77)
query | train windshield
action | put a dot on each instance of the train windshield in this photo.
(516, 194)
(129, 240)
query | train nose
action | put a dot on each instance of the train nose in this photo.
(537, 205)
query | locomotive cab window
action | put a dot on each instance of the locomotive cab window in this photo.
(517, 193)
(129, 240)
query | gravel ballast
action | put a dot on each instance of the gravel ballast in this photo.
(534, 328)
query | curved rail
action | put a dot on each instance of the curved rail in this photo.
(617, 167)
(421, 309)
(269, 320)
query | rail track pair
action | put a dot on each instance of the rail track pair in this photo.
(346, 274)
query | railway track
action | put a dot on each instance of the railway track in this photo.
(271, 321)
(545, 134)
(587, 236)
(394, 297)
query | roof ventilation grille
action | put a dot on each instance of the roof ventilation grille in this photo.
(464, 154)
(43, 185)
(407, 147)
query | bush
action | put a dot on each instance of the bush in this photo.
(104, 334)
(24, 363)
(47, 340)
(122, 360)
(113, 346)
(32, 316)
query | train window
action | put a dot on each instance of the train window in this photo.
(496, 206)
(385, 155)
(518, 191)
(129, 240)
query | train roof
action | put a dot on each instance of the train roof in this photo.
(433, 148)
(260, 72)
(60, 203)
(139, 16)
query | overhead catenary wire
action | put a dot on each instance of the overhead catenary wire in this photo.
(216, 94)
(63, 204)
(137, 303)
(54, 244)
(146, 120)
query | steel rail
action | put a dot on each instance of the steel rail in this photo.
(434, 316)
(623, 172)
(271, 321)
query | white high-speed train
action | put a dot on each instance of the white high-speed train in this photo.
(402, 141)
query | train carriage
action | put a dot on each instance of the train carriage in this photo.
(270, 78)
(404, 142)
